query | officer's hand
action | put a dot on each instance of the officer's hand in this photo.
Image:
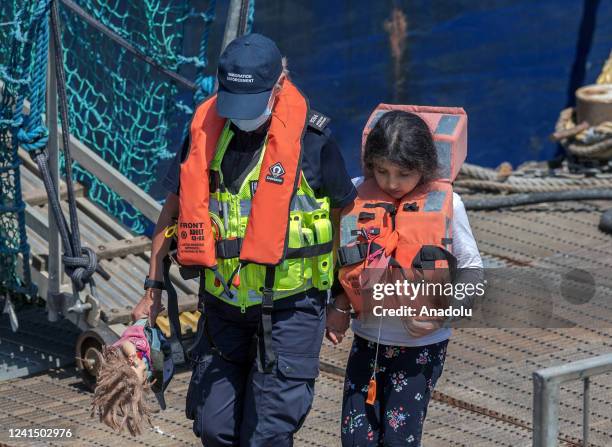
(337, 324)
(150, 306)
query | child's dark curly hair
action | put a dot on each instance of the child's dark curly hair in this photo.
(402, 138)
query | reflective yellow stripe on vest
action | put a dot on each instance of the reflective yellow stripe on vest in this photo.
(309, 225)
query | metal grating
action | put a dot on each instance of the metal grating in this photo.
(484, 396)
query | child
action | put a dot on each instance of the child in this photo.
(393, 367)
(139, 361)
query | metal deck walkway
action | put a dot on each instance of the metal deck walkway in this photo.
(484, 397)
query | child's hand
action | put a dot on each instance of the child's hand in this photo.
(337, 324)
(421, 328)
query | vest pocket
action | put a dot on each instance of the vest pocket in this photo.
(290, 273)
(323, 272)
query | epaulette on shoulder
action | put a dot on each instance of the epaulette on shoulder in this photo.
(317, 120)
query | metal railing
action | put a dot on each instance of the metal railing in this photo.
(546, 385)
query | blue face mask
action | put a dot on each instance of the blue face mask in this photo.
(255, 123)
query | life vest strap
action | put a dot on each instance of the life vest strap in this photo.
(353, 254)
(310, 251)
(428, 255)
(230, 248)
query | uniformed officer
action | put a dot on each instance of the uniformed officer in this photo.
(255, 365)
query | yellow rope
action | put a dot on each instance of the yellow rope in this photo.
(606, 73)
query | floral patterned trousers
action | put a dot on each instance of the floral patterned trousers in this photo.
(405, 379)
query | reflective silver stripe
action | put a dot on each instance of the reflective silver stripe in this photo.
(299, 203)
(232, 300)
(434, 201)
(447, 124)
(348, 223)
(254, 296)
(245, 208)
(444, 157)
(213, 205)
(222, 296)
(304, 203)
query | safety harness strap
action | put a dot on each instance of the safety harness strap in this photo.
(266, 358)
(173, 311)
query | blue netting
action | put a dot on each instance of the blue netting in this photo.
(24, 40)
(126, 110)
(121, 106)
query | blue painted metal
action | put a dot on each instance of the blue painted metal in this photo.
(507, 62)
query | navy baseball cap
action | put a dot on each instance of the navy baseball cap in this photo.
(248, 70)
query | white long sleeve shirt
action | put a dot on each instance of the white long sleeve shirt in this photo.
(464, 249)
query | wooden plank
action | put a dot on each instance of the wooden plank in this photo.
(123, 247)
(37, 221)
(39, 196)
(95, 213)
(114, 179)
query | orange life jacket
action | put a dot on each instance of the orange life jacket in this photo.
(415, 231)
(265, 240)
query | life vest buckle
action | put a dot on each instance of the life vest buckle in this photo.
(410, 207)
(267, 305)
(366, 216)
(388, 207)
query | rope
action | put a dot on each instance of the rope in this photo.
(593, 142)
(478, 172)
(123, 87)
(81, 262)
(33, 135)
(493, 203)
(535, 184)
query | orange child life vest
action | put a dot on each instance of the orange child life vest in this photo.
(265, 240)
(415, 231)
